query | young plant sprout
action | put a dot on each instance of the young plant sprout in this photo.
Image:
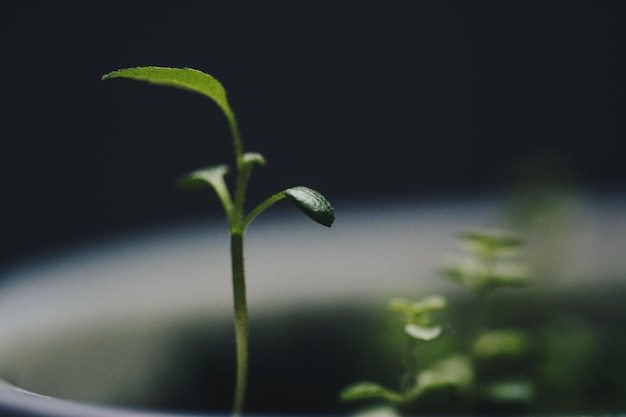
(312, 203)
(490, 264)
(452, 371)
(486, 267)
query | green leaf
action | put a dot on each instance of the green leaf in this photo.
(474, 273)
(418, 308)
(430, 303)
(517, 391)
(253, 158)
(183, 78)
(504, 342)
(423, 333)
(313, 204)
(454, 370)
(213, 177)
(369, 390)
(401, 305)
(491, 242)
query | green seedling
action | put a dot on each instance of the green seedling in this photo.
(311, 202)
(488, 264)
(416, 317)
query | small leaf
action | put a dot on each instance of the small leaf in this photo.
(253, 158)
(455, 370)
(416, 308)
(422, 333)
(401, 305)
(430, 303)
(183, 78)
(212, 176)
(313, 204)
(506, 342)
(518, 391)
(368, 390)
(491, 242)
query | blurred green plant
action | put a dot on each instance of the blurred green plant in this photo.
(309, 201)
(417, 319)
(491, 262)
(488, 264)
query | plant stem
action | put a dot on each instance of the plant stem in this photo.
(409, 368)
(241, 320)
(236, 136)
(262, 207)
(237, 230)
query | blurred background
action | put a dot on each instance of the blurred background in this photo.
(355, 99)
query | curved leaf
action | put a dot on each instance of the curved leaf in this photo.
(366, 390)
(454, 370)
(313, 204)
(425, 334)
(418, 312)
(506, 342)
(253, 158)
(183, 78)
(430, 303)
(515, 391)
(214, 177)
(491, 242)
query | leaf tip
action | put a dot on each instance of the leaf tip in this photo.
(313, 204)
(207, 176)
(114, 74)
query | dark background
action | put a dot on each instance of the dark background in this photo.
(355, 99)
